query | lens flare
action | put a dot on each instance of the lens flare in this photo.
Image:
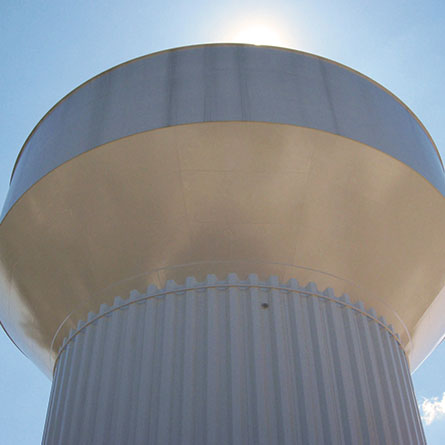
(259, 34)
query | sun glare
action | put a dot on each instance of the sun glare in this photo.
(259, 34)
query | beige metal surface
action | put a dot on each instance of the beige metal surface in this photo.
(219, 192)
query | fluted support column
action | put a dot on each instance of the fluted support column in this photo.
(233, 362)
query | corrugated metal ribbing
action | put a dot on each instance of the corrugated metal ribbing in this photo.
(233, 362)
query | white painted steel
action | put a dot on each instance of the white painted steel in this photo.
(233, 362)
(223, 153)
(216, 197)
(224, 82)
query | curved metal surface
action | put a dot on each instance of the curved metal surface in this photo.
(335, 174)
(224, 83)
(215, 194)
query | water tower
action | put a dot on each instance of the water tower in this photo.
(227, 244)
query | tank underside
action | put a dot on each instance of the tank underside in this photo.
(218, 198)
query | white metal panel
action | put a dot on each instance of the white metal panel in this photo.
(225, 82)
(233, 362)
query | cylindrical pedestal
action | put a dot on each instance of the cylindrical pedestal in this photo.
(233, 362)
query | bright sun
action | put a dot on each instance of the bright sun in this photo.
(259, 34)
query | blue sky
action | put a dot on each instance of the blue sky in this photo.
(48, 48)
